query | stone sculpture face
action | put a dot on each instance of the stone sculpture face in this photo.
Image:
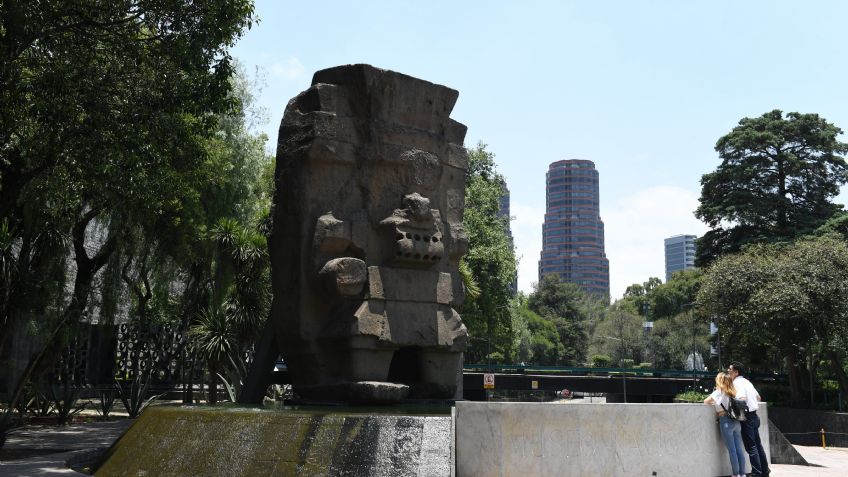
(367, 237)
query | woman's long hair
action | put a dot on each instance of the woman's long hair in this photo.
(724, 383)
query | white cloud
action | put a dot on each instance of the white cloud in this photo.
(290, 69)
(635, 227)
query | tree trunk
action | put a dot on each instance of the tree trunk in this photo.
(188, 379)
(796, 393)
(782, 216)
(213, 386)
(836, 366)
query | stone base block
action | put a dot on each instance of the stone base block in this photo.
(591, 439)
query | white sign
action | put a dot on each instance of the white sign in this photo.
(488, 381)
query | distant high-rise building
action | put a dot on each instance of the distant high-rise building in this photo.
(679, 254)
(573, 233)
(504, 212)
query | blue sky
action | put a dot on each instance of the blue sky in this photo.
(643, 89)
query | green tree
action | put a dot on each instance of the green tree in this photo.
(775, 182)
(819, 269)
(675, 296)
(490, 259)
(568, 307)
(789, 298)
(668, 306)
(539, 342)
(736, 293)
(637, 297)
(105, 111)
(238, 301)
(838, 224)
(673, 339)
(621, 336)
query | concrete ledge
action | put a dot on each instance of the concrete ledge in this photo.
(504, 439)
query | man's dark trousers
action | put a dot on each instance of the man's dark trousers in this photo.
(751, 439)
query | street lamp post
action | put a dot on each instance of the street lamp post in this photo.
(694, 352)
(648, 328)
(623, 374)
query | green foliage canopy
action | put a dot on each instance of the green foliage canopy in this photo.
(490, 259)
(108, 112)
(776, 180)
(568, 307)
(785, 298)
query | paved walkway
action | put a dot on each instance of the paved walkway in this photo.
(833, 462)
(43, 450)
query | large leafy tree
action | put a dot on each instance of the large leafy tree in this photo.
(677, 328)
(818, 268)
(776, 180)
(569, 308)
(105, 111)
(538, 339)
(97, 84)
(789, 299)
(620, 336)
(490, 259)
(207, 265)
(676, 296)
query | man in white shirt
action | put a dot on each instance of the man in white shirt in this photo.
(751, 425)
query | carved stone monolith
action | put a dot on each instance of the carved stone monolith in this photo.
(367, 238)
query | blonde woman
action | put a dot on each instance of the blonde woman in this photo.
(731, 431)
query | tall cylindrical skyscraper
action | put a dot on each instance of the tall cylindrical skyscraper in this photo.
(573, 233)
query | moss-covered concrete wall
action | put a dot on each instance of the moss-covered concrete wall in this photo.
(195, 441)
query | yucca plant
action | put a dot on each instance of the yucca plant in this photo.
(213, 339)
(238, 303)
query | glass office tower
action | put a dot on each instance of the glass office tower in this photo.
(679, 254)
(573, 233)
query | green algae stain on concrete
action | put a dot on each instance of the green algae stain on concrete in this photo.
(222, 441)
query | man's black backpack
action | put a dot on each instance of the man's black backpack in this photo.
(737, 409)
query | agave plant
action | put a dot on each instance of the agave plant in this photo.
(134, 393)
(107, 402)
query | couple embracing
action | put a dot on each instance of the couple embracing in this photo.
(739, 430)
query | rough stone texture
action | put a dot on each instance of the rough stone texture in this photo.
(504, 439)
(367, 237)
(191, 441)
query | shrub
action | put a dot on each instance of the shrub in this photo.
(691, 396)
(601, 361)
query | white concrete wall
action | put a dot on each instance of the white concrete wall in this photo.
(534, 439)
